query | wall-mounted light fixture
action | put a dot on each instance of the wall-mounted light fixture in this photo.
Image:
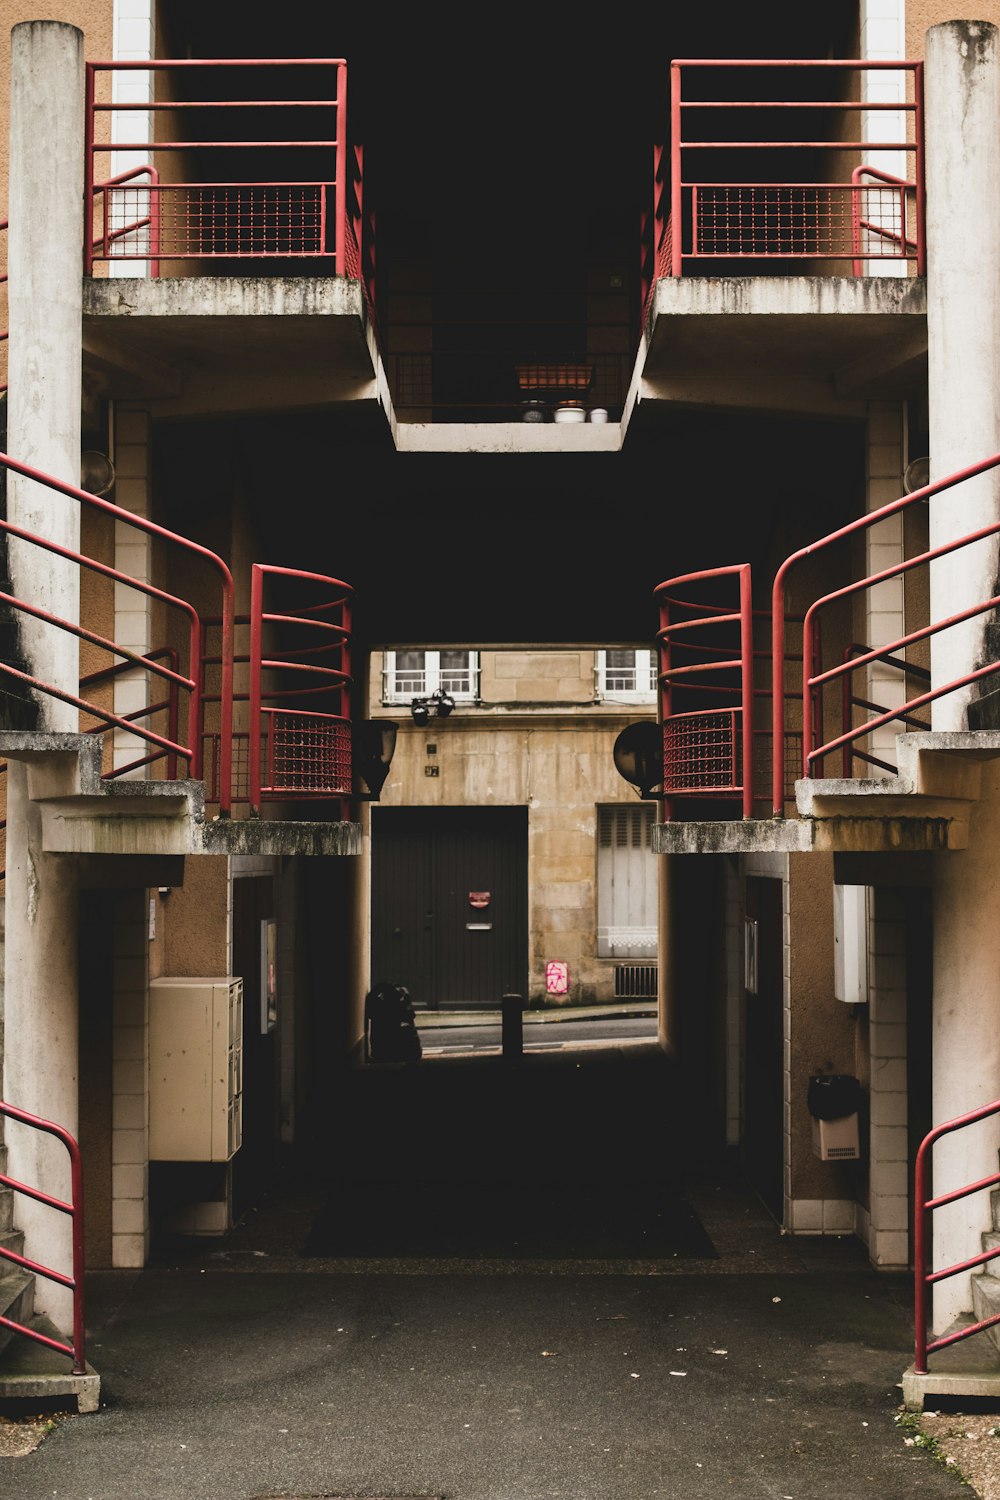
(439, 703)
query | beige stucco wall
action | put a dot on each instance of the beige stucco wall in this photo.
(922, 14)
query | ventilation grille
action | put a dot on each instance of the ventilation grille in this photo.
(635, 982)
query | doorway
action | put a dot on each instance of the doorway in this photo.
(764, 1077)
(450, 904)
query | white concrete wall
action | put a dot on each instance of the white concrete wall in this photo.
(130, 1083)
(888, 1212)
(45, 346)
(963, 330)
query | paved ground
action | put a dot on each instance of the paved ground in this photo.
(244, 1368)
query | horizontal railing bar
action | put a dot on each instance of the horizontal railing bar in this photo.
(962, 1265)
(151, 106)
(35, 1267)
(797, 146)
(858, 64)
(964, 1192)
(155, 64)
(147, 146)
(36, 1193)
(39, 1338)
(858, 104)
(963, 1333)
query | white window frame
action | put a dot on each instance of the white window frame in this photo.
(435, 679)
(645, 666)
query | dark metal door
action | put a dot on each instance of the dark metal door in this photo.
(450, 903)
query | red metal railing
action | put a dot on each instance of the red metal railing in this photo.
(188, 748)
(874, 216)
(849, 701)
(298, 652)
(288, 217)
(74, 1207)
(922, 1206)
(709, 659)
(814, 680)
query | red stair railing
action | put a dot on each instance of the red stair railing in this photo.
(849, 701)
(922, 1207)
(813, 680)
(76, 1350)
(300, 750)
(801, 220)
(280, 218)
(190, 749)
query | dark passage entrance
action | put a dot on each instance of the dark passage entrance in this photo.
(763, 1085)
(450, 903)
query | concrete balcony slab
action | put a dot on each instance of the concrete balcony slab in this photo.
(810, 344)
(200, 344)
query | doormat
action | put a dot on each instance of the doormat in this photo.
(540, 1221)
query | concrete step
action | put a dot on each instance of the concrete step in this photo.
(17, 1299)
(30, 1371)
(6, 1207)
(986, 1304)
(11, 1239)
(991, 1241)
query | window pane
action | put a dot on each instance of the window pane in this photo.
(456, 671)
(619, 671)
(410, 674)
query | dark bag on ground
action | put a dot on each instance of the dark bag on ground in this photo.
(390, 1025)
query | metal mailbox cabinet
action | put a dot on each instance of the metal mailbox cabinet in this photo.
(195, 1069)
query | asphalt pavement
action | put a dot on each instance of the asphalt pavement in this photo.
(735, 1361)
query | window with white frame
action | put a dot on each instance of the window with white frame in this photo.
(626, 675)
(626, 883)
(417, 674)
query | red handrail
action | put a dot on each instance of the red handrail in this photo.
(74, 1282)
(319, 739)
(194, 683)
(810, 679)
(922, 1205)
(811, 206)
(303, 236)
(150, 221)
(668, 634)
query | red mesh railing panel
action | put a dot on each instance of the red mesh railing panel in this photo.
(200, 220)
(701, 754)
(306, 755)
(807, 220)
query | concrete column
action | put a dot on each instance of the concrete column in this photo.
(966, 1039)
(45, 347)
(963, 329)
(40, 1013)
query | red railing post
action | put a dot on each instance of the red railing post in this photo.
(919, 168)
(746, 685)
(256, 653)
(88, 175)
(677, 243)
(920, 1256)
(341, 261)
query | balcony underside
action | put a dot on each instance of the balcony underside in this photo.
(925, 808)
(810, 344)
(83, 814)
(228, 344)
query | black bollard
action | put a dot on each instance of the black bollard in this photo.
(512, 1027)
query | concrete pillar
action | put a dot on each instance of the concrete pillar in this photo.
(963, 330)
(966, 1040)
(45, 347)
(40, 1015)
(963, 317)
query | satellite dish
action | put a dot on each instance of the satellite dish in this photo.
(916, 475)
(97, 472)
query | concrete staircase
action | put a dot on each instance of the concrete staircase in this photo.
(29, 1371)
(986, 1286)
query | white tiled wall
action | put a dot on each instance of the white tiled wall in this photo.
(130, 1062)
(134, 41)
(884, 543)
(888, 1216)
(883, 39)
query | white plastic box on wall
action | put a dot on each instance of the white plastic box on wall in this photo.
(195, 1069)
(836, 1140)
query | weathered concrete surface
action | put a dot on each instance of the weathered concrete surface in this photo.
(819, 344)
(507, 437)
(197, 344)
(82, 814)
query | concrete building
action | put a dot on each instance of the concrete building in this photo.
(343, 400)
